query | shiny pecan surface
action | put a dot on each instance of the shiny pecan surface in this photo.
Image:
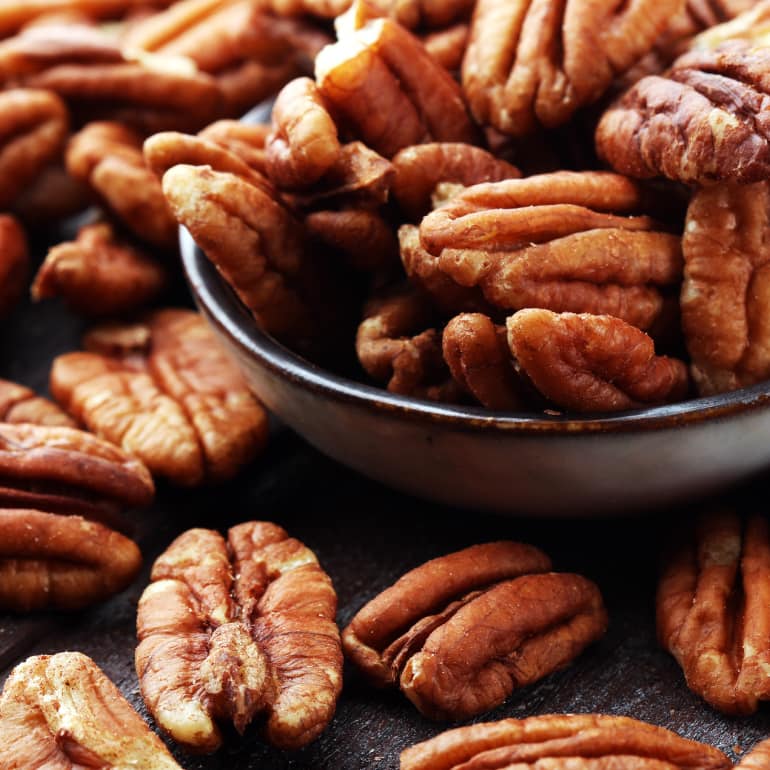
(14, 262)
(165, 391)
(562, 742)
(461, 632)
(239, 631)
(61, 711)
(20, 404)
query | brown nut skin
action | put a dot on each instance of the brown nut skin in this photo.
(593, 363)
(239, 631)
(62, 711)
(99, 274)
(49, 561)
(721, 566)
(532, 63)
(20, 404)
(176, 401)
(14, 262)
(562, 742)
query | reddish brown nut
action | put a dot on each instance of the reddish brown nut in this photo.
(712, 610)
(561, 241)
(757, 759)
(53, 196)
(562, 742)
(448, 46)
(175, 399)
(62, 711)
(461, 632)
(246, 140)
(99, 274)
(14, 262)
(593, 363)
(238, 632)
(20, 404)
(531, 63)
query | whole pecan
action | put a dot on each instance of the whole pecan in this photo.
(712, 612)
(461, 632)
(239, 631)
(562, 742)
(562, 241)
(14, 261)
(62, 711)
(174, 399)
(99, 273)
(532, 63)
(20, 404)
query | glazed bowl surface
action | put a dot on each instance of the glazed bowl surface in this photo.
(532, 464)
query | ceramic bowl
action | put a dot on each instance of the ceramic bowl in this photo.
(511, 463)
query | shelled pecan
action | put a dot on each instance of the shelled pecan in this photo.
(461, 632)
(448, 46)
(165, 391)
(51, 197)
(246, 140)
(14, 262)
(20, 404)
(562, 742)
(62, 711)
(239, 631)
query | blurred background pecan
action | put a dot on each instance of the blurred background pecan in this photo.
(237, 632)
(20, 404)
(14, 262)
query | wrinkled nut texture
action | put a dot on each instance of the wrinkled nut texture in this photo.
(99, 274)
(246, 140)
(20, 404)
(562, 742)
(236, 632)
(49, 561)
(565, 241)
(63, 470)
(176, 401)
(705, 120)
(61, 711)
(712, 612)
(14, 262)
(593, 363)
(532, 63)
(725, 298)
(461, 632)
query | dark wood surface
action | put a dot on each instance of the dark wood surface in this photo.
(366, 536)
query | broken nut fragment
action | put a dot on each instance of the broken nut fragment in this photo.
(62, 711)
(14, 262)
(239, 631)
(20, 404)
(461, 632)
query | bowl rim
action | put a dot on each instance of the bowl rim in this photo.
(219, 302)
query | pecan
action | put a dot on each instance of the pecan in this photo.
(176, 400)
(20, 404)
(52, 196)
(62, 711)
(246, 140)
(108, 158)
(461, 632)
(560, 241)
(447, 46)
(592, 363)
(757, 759)
(711, 610)
(49, 561)
(33, 128)
(562, 742)
(14, 262)
(99, 273)
(63, 470)
(532, 63)
(239, 631)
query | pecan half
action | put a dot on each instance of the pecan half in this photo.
(561, 241)
(62, 711)
(711, 610)
(52, 196)
(593, 363)
(20, 404)
(14, 262)
(99, 273)
(175, 400)
(532, 63)
(562, 742)
(461, 632)
(246, 140)
(239, 631)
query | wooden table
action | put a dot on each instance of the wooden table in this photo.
(366, 536)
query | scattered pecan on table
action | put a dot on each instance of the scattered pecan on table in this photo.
(239, 631)
(14, 262)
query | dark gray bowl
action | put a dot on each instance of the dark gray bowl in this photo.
(510, 463)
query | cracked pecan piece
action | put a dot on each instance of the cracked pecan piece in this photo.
(239, 631)
(533, 63)
(712, 610)
(593, 363)
(562, 742)
(62, 711)
(165, 391)
(48, 561)
(14, 262)
(565, 241)
(459, 633)
(20, 404)
(99, 274)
